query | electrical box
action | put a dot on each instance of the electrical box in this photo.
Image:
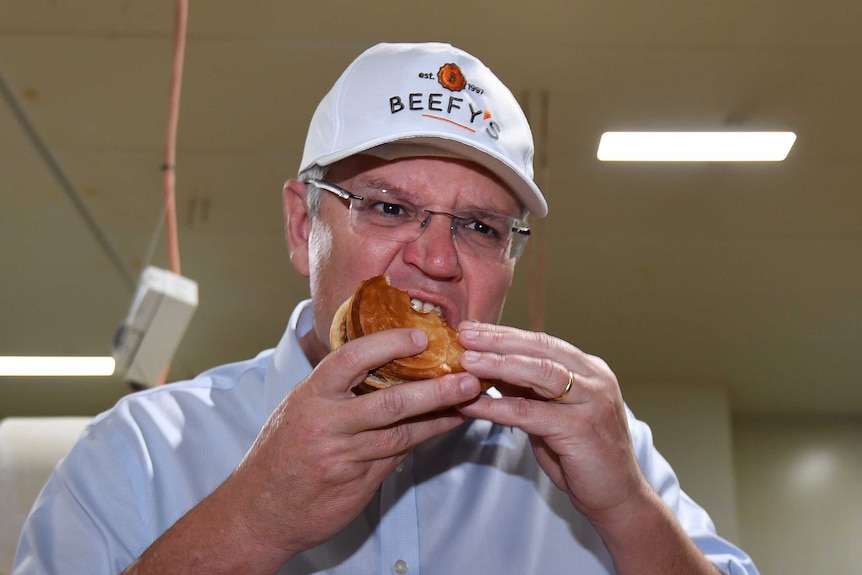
(160, 313)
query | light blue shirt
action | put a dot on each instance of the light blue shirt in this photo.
(471, 501)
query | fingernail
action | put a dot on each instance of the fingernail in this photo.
(469, 385)
(470, 356)
(419, 337)
(470, 334)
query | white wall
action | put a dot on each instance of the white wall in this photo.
(800, 493)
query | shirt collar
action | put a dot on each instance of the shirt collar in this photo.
(288, 365)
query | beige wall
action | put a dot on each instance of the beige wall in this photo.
(692, 429)
(800, 493)
(787, 489)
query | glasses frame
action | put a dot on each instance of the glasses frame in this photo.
(517, 227)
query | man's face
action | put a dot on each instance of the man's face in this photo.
(431, 268)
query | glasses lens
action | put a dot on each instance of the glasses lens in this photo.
(517, 245)
(387, 215)
(487, 234)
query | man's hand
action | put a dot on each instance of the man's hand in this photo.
(570, 404)
(581, 441)
(316, 464)
(325, 451)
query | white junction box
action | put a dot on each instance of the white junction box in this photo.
(160, 313)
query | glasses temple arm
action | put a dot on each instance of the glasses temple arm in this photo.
(340, 192)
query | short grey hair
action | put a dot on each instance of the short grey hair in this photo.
(312, 192)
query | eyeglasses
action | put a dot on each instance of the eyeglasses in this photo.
(390, 216)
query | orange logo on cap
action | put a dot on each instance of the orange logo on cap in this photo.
(451, 77)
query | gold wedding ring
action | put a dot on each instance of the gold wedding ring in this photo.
(566, 391)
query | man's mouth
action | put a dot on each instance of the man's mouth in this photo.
(424, 306)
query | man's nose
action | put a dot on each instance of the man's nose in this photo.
(435, 250)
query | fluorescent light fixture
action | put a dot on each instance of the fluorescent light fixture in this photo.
(72, 366)
(695, 146)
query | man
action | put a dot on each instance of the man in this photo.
(417, 165)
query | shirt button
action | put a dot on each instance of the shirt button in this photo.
(399, 469)
(400, 567)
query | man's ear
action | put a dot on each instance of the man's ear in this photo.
(297, 225)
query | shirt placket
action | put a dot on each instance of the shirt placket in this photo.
(399, 522)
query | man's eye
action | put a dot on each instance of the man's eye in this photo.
(389, 209)
(482, 228)
(392, 209)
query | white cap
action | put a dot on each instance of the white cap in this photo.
(403, 100)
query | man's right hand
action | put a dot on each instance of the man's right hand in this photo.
(318, 461)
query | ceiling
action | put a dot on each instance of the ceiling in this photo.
(742, 276)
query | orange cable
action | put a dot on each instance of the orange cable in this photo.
(170, 146)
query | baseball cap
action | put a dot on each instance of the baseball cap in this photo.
(403, 100)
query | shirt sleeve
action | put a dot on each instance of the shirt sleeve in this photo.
(138, 468)
(84, 514)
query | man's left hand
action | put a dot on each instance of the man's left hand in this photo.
(570, 403)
